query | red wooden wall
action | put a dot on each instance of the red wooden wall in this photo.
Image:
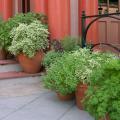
(91, 8)
(7, 8)
(59, 14)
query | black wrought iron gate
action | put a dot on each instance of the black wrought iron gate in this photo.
(95, 18)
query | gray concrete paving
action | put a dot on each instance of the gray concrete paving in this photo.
(10, 67)
(38, 105)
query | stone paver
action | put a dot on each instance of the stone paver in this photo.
(39, 105)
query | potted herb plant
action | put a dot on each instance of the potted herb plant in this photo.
(61, 76)
(28, 42)
(103, 95)
(25, 18)
(87, 63)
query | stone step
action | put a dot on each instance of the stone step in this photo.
(9, 65)
(14, 74)
(9, 61)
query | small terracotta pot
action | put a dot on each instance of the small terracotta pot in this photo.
(66, 97)
(31, 65)
(3, 54)
(80, 94)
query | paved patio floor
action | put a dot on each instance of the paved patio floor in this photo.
(26, 99)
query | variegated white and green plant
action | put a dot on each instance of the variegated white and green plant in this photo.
(29, 39)
(88, 62)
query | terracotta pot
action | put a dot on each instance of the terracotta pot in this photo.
(80, 94)
(31, 65)
(66, 97)
(3, 54)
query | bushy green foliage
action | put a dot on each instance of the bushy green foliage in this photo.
(51, 57)
(70, 43)
(29, 39)
(4, 42)
(27, 18)
(88, 62)
(61, 75)
(103, 95)
(73, 67)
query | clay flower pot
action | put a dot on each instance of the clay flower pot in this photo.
(3, 54)
(31, 65)
(80, 94)
(66, 97)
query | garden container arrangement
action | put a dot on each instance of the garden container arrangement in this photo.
(7, 26)
(72, 70)
(28, 43)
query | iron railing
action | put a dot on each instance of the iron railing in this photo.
(85, 27)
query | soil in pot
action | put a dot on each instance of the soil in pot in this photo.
(67, 97)
(80, 94)
(31, 65)
(3, 54)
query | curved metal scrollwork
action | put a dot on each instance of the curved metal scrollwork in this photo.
(112, 46)
(86, 28)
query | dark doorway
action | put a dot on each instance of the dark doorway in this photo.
(25, 6)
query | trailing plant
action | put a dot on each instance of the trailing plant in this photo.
(103, 95)
(51, 57)
(26, 18)
(29, 39)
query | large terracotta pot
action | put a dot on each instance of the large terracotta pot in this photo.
(66, 97)
(31, 65)
(80, 94)
(3, 54)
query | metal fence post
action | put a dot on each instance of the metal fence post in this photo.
(83, 27)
